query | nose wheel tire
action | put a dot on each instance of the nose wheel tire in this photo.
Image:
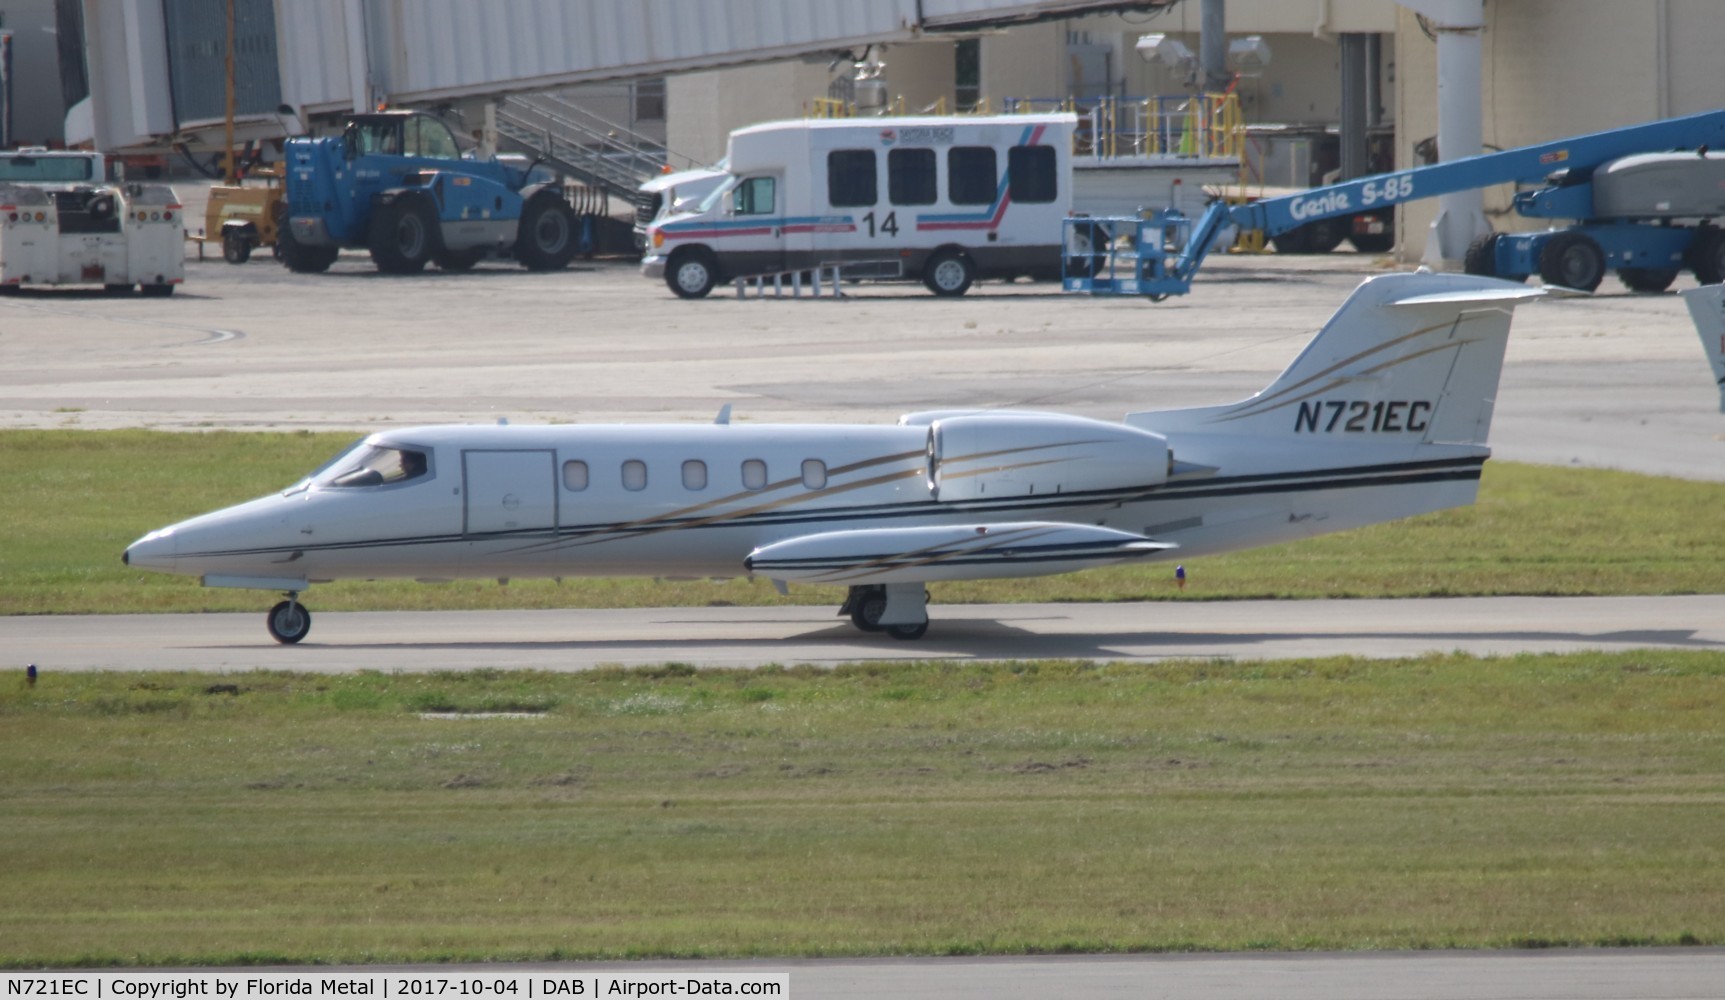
(288, 622)
(907, 632)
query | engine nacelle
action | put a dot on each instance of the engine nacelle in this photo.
(994, 456)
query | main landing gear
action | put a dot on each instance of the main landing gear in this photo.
(288, 621)
(898, 609)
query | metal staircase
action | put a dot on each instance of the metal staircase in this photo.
(582, 144)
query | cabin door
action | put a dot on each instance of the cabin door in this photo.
(509, 492)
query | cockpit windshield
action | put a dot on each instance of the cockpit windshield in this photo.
(372, 465)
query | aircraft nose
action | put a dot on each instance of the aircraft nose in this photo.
(153, 551)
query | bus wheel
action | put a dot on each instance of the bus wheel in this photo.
(948, 273)
(692, 273)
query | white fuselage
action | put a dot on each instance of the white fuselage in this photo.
(696, 500)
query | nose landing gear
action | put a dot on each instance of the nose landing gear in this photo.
(288, 621)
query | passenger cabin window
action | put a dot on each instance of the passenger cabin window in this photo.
(910, 177)
(970, 175)
(753, 197)
(851, 178)
(375, 465)
(575, 476)
(814, 474)
(1030, 174)
(634, 475)
(694, 474)
(754, 474)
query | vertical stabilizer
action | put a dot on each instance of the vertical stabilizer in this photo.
(1413, 358)
(1707, 309)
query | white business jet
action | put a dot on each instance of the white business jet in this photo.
(1707, 309)
(1382, 416)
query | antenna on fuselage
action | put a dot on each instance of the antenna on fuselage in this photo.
(724, 416)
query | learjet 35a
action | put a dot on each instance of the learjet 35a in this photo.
(1383, 415)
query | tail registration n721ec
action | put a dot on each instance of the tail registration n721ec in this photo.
(1359, 416)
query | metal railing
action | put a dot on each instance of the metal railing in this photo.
(582, 144)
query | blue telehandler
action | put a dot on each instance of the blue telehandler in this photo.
(1645, 200)
(396, 183)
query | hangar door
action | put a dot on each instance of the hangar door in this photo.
(509, 491)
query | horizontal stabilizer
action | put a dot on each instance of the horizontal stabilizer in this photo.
(948, 552)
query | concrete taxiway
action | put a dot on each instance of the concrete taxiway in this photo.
(748, 637)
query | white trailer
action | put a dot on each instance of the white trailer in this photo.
(62, 223)
(946, 200)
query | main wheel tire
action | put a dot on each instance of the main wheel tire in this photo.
(288, 622)
(1647, 279)
(948, 273)
(907, 632)
(155, 291)
(545, 237)
(236, 249)
(116, 289)
(300, 258)
(1706, 256)
(1481, 256)
(692, 273)
(867, 611)
(403, 236)
(1572, 260)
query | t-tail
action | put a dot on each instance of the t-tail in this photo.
(1384, 415)
(1707, 309)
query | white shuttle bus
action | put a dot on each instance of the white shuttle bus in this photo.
(944, 200)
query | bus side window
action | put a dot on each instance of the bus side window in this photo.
(851, 178)
(970, 175)
(910, 177)
(1031, 175)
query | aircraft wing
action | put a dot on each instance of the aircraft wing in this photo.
(947, 552)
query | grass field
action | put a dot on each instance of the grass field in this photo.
(885, 809)
(74, 499)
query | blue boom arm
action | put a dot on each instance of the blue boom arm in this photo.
(1526, 164)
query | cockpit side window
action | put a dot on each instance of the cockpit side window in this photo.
(375, 465)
